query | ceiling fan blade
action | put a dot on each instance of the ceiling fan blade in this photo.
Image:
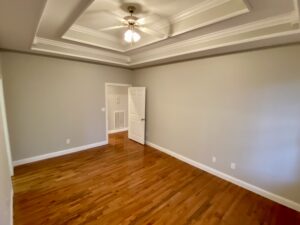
(116, 16)
(152, 32)
(112, 28)
(110, 13)
(145, 20)
(150, 18)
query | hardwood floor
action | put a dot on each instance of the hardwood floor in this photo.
(127, 183)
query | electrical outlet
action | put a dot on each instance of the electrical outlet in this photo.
(103, 109)
(214, 159)
(232, 166)
(68, 141)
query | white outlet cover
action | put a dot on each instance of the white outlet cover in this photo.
(232, 166)
(68, 141)
(103, 109)
(214, 159)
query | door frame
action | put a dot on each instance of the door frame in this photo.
(5, 128)
(106, 103)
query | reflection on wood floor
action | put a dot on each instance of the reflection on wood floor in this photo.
(127, 183)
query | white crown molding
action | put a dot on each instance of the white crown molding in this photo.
(77, 55)
(257, 25)
(42, 12)
(68, 37)
(93, 33)
(58, 153)
(184, 48)
(164, 52)
(197, 9)
(44, 45)
(200, 8)
(274, 197)
(78, 48)
(228, 16)
(219, 19)
(297, 10)
(242, 43)
(183, 15)
(109, 38)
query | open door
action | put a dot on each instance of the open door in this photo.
(136, 114)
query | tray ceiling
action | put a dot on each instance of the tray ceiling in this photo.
(183, 28)
(169, 18)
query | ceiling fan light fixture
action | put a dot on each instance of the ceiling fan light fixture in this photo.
(131, 36)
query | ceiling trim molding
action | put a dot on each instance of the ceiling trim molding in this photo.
(248, 5)
(185, 14)
(247, 40)
(91, 43)
(257, 25)
(265, 23)
(90, 32)
(38, 23)
(272, 29)
(219, 19)
(75, 15)
(197, 9)
(297, 10)
(101, 35)
(168, 50)
(102, 55)
(228, 16)
(203, 6)
(200, 8)
(79, 56)
(55, 43)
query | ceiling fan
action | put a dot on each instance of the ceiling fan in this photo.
(134, 25)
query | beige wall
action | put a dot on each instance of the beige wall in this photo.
(242, 108)
(49, 100)
(5, 181)
(117, 100)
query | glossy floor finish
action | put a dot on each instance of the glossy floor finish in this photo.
(127, 183)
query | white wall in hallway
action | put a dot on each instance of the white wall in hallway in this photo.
(117, 97)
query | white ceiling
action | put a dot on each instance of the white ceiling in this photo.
(167, 18)
(185, 28)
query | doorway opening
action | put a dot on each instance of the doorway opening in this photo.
(116, 100)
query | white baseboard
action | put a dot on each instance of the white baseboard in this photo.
(118, 130)
(11, 206)
(58, 153)
(276, 198)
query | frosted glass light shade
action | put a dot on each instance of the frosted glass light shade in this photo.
(131, 36)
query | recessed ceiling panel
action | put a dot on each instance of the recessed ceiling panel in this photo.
(170, 29)
(157, 20)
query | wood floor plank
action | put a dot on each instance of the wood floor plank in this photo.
(125, 183)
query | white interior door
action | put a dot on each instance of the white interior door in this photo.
(136, 113)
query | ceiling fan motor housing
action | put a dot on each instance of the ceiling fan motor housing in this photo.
(131, 9)
(131, 19)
